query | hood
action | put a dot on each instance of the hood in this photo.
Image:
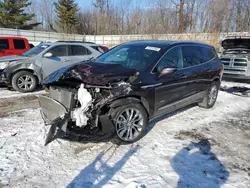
(235, 43)
(12, 58)
(92, 73)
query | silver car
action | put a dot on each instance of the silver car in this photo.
(236, 57)
(25, 72)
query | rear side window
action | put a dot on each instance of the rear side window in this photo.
(19, 44)
(59, 51)
(79, 50)
(98, 48)
(208, 54)
(4, 44)
(191, 56)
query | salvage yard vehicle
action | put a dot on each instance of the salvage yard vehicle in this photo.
(236, 57)
(125, 88)
(26, 71)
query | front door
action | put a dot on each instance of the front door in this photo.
(170, 88)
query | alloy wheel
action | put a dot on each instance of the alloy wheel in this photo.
(129, 124)
(212, 94)
(25, 82)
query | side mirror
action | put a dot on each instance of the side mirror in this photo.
(48, 54)
(167, 71)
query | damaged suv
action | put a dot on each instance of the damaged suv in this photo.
(125, 88)
(236, 57)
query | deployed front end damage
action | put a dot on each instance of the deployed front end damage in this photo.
(78, 109)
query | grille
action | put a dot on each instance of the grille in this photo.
(240, 64)
(235, 70)
(235, 62)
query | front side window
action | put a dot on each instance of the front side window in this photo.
(79, 50)
(4, 44)
(59, 51)
(98, 48)
(171, 59)
(19, 44)
(191, 56)
(132, 56)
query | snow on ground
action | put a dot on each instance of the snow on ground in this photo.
(193, 147)
(4, 93)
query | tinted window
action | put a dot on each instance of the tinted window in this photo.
(171, 59)
(207, 53)
(79, 50)
(4, 44)
(19, 44)
(59, 51)
(191, 56)
(98, 48)
(36, 50)
(138, 57)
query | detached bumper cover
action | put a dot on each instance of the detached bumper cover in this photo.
(54, 114)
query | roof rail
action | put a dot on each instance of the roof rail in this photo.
(75, 41)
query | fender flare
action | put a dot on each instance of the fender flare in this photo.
(123, 101)
(128, 100)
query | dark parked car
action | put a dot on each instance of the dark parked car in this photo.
(128, 86)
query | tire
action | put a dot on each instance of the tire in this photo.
(210, 96)
(136, 129)
(27, 78)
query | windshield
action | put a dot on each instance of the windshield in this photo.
(36, 50)
(131, 56)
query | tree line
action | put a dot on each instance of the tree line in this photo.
(125, 17)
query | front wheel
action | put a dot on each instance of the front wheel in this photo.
(24, 81)
(210, 96)
(130, 122)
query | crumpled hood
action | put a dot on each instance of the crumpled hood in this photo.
(234, 43)
(12, 58)
(92, 73)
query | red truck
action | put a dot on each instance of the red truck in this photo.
(13, 46)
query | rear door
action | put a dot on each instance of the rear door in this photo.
(193, 64)
(170, 88)
(5, 47)
(59, 59)
(79, 53)
(20, 46)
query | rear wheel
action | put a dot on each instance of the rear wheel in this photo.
(210, 96)
(130, 122)
(24, 81)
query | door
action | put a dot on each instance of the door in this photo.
(79, 53)
(170, 88)
(5, 47)
(193, 62)
(208, 72)
(59, 58)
